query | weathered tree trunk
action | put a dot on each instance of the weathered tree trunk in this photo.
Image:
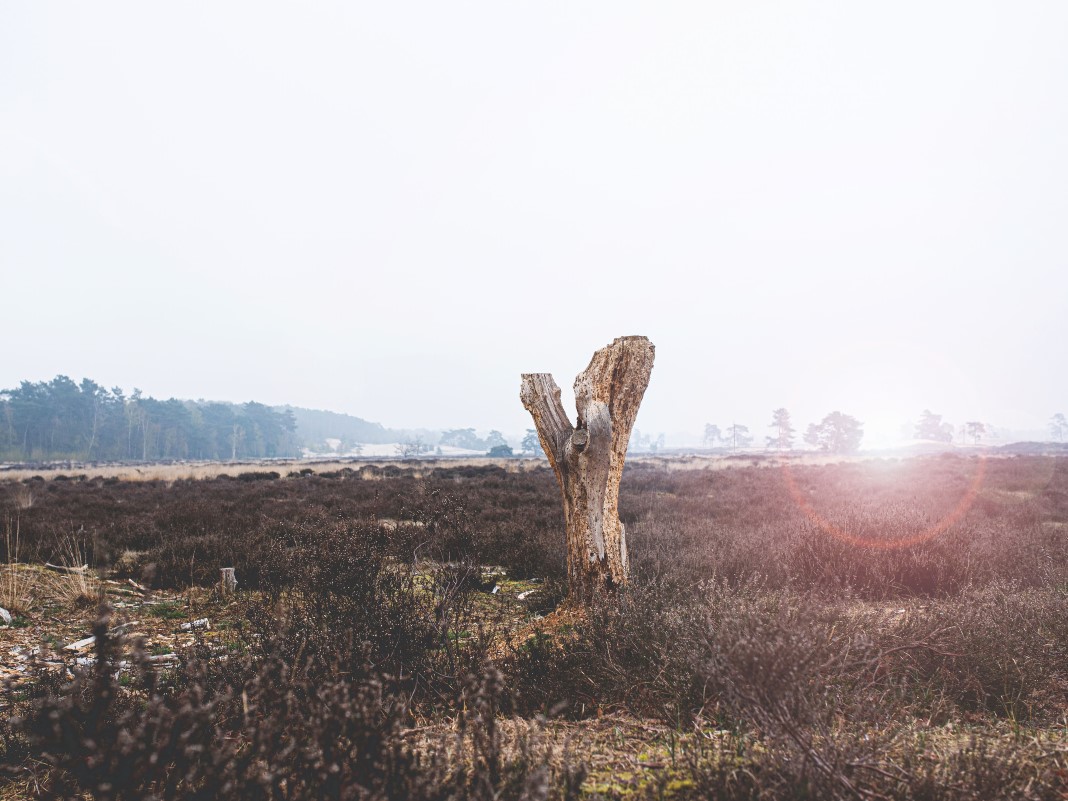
(588, 458)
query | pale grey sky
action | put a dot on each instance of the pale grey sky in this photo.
(393, 209)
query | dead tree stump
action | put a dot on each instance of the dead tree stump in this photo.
(588, 458)
(227, 581)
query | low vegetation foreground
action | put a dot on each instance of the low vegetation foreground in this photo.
(862, 630)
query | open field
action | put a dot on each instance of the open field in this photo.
(862, 629)
(193, 470)
(189, 470)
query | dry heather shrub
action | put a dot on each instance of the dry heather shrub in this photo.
(632, 652)
(753, 655)
(864, 765)
(1000, 649)
(274, 723)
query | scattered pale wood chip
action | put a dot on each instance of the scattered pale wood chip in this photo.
(195, 625)
(80, 645)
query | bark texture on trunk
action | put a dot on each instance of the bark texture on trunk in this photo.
(588, 457)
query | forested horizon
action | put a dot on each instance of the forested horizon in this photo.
(64, 420)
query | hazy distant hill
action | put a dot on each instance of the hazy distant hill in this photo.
(315, 426)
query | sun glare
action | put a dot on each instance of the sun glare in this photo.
(853, 538)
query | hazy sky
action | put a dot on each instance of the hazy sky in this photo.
(394, 209)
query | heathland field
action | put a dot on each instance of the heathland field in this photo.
(864, 629)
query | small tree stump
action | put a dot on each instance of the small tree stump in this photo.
(588, 458)
(228, 581)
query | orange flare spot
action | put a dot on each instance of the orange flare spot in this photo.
(939, 527)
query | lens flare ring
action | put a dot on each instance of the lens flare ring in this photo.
(929, 533)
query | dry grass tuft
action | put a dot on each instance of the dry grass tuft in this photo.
(79, 589)
(22, 496)
(15, 595)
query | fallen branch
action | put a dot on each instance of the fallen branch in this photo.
(82, 645)
(123, 591)
(81, 571)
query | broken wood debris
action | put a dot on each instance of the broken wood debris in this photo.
(82, 570)
(126, 592)
(115, 631)
(128, 587)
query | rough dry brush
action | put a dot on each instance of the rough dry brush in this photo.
(804, 665)
(269, 725)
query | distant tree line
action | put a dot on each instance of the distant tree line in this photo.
(468, 439)
(931, 427)
(642, 441)
(61, 419)
(842, 433)
(835, 433)
(1058, 426)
